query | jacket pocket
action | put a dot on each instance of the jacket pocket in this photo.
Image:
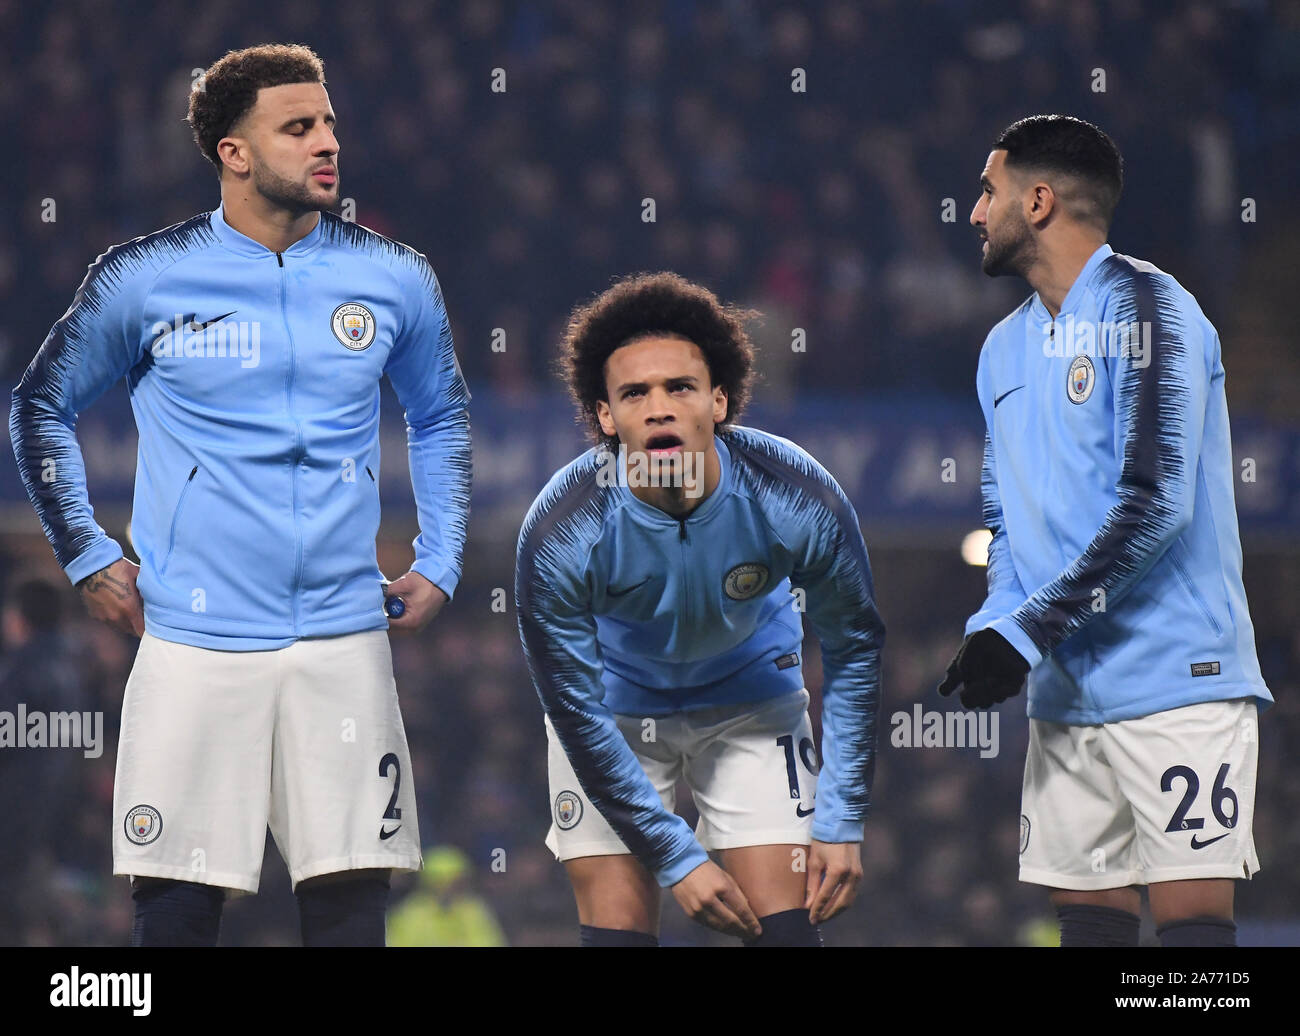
(176, 517)
(1197, 599)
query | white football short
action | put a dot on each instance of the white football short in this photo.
(217, 744)
(1165, 797)
(751, 769)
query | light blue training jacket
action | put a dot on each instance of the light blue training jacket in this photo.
(254, 379)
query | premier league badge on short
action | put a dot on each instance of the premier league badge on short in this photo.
(745, 581)
(353, 325)
(143, 824)
(568, 810)
(1082, 379)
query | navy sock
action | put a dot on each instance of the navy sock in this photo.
(615, 937)
(343, 913)
(1199, 931)
(787, 928)
(177, 913)
(1085, 925)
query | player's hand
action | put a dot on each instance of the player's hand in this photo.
(110, 596)
(711, 896)
(987, 669)
(834, 874)
(421, 598)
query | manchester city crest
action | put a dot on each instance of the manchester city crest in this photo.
(1083, 376)
(568, 810)
(353, 325)
(143, 824)
(745, 581)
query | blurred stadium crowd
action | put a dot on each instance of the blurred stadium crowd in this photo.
(824, 205)
(823, 209)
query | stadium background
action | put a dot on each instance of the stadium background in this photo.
(823, 208)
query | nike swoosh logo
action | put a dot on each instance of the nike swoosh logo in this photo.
(383, 835)
(1005, 394)
(799, 811)
(611, 592)
(196, 326)
(1208, 841)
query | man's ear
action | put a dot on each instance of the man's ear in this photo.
(606, 418)
(1041, 203)
(233, 153)
(719, 404)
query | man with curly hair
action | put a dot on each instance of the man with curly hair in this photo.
(253, 339)
(660, 583)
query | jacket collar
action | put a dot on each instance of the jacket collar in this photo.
(651, 515)
(1078, 288)
(243, 245)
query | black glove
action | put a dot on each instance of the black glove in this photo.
(988, 670)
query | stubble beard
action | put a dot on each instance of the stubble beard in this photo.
(292, 196)
(1014, 254)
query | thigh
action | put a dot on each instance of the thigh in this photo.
(772, 877)
(194, 764)
(752, 771)
(342, 791)
(1076, 826)
(338, 877)
(1197, 897)
(1189, 776)
(615, 892)
(1128, 898)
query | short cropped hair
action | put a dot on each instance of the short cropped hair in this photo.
(227, 91)
(1073, 149)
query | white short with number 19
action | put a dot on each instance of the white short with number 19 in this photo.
(752, 770)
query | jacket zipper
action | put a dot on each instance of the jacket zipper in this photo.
(684, 543)
(1197, 600)
(176, 515)
(298, 444)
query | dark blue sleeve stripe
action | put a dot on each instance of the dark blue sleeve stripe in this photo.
(556, 538)
(1000, 573)
(806, 496)
(1152, 404)
(991, 509)
(43, 416)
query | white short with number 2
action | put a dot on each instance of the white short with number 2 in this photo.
(216, 745)
(1165, 797)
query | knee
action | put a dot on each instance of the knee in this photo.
(1087, 924)
(347, 910)
(1099, 917)
(787, 928)
(176, 913)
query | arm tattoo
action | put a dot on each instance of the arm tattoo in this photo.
(101, 580)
